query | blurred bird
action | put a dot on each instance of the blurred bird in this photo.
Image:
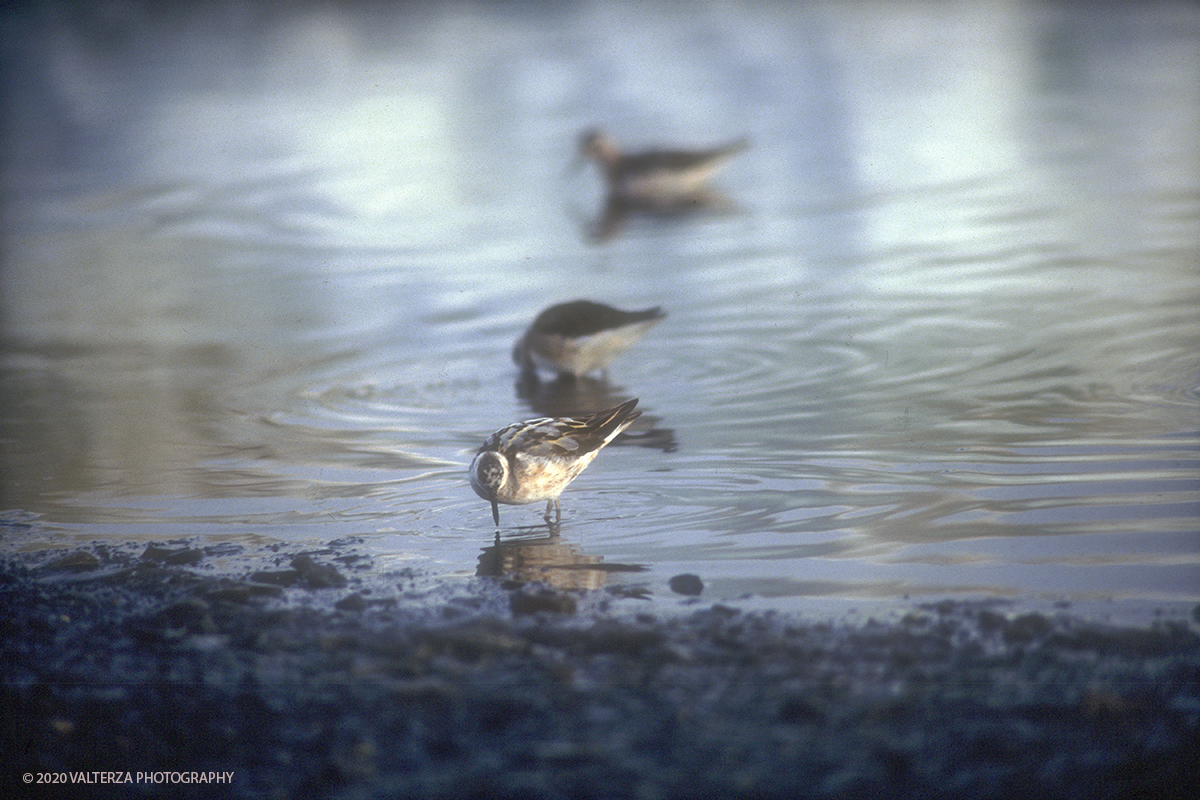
(581, 336)
(656, 179)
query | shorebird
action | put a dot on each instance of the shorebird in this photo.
(657, 179)
(580, 337)
(536, 459)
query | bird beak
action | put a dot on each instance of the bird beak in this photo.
(495, 512)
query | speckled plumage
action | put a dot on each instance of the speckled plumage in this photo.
(536, 459)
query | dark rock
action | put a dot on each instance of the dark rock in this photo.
(189, 617)
(79, 561)
(317, 576)
(243, 592)
(623, 639)
(991, 622)
(1026, 627)
(179, 557)
(686, 584)
(351, 602)
(278, 577)
(153, 673)
(223, 549)
(542, 600)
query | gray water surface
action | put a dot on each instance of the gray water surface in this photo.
(263, 270)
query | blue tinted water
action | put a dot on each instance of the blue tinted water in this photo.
(264, 269)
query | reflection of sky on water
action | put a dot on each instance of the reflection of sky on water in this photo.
(264, 268)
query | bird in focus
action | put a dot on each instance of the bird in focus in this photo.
(535, 460)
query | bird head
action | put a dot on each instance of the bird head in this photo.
(597, 145)
(488, 473)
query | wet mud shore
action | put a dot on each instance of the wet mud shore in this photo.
(319, 676)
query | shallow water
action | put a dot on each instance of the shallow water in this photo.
(263, 271)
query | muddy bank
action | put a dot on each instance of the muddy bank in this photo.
(318, 676)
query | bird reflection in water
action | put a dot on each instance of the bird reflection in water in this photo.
(574, 341)
(569, 396)
(549, 560)
(618, 211)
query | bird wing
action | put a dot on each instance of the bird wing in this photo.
(551, 437)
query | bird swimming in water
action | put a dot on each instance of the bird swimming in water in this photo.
(656, 179)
